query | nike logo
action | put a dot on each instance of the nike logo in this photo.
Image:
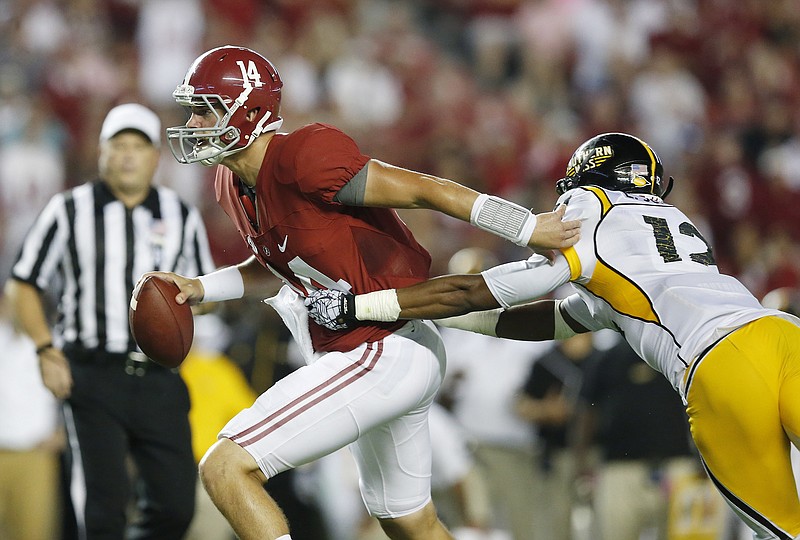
(282, 247)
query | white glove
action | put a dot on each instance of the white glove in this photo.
(335, 310)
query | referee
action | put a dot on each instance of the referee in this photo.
(96, 240)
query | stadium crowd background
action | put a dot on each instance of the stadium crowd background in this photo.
(492, 93)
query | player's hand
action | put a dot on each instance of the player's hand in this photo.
(56, 373)
(191, 288)
(552, 232)
(335, 310)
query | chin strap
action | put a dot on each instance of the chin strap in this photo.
(669, 188)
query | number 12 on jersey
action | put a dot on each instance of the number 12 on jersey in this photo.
(665, 242)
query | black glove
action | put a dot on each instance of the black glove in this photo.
(335, 310)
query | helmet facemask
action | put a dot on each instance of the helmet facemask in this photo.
(206, 145)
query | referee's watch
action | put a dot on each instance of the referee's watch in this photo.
(41, 348)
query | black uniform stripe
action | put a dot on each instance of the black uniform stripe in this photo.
(149, 236)
(75, 269)
(197, 262)
(184, 219)
(42, 255)
(129, 259)
(99, 265)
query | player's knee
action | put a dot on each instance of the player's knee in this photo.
(226, 461)
(421, 524)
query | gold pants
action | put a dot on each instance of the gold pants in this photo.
(743, 406)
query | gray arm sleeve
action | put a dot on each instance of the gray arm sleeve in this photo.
(352, 193)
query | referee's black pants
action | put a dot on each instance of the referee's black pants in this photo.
(122, 408)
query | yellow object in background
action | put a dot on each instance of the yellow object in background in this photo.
(696, 510)
(218, 391)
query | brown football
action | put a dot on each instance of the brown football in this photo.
(162, 328)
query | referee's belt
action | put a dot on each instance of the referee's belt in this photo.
(134, 362)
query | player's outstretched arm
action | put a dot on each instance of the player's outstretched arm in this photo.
(395, 187)
(436, 298)
(458, 301)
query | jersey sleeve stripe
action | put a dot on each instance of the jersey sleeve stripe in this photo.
(574, 262)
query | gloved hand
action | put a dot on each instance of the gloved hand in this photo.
(335, 310)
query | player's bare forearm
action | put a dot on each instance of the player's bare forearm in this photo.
(394, 187)
(536, 322)
(529, 322)
(445, 296)
(258, 281)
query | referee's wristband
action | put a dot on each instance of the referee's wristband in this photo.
(41, 348)
(224, 284)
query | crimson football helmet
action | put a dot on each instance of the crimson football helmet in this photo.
(616, 161)
(230, 82)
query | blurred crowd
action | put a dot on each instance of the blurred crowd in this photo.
(495, 94)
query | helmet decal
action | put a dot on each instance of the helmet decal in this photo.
(590, 158)
(640, 176)
(250, 74)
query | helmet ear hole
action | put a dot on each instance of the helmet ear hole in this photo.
(253, 114)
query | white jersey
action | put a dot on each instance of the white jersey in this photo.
(642, 268)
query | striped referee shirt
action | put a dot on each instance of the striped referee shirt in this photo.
(99, 249)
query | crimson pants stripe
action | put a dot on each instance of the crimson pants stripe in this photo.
(317, 394)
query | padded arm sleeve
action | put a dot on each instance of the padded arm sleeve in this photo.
(521, 282)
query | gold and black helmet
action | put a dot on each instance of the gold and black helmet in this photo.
(616, 161)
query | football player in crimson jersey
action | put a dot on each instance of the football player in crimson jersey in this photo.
(643, 269)
(317, 213)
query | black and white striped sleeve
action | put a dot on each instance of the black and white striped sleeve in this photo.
(44, 247)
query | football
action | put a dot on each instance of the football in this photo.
(162, 328)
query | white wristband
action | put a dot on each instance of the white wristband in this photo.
(224, 284)
(480, 322)
(561, 329)
(503, 218)
(378, 306)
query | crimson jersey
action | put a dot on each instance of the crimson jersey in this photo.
(309, 240)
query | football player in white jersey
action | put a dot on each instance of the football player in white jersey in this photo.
(643, 269)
